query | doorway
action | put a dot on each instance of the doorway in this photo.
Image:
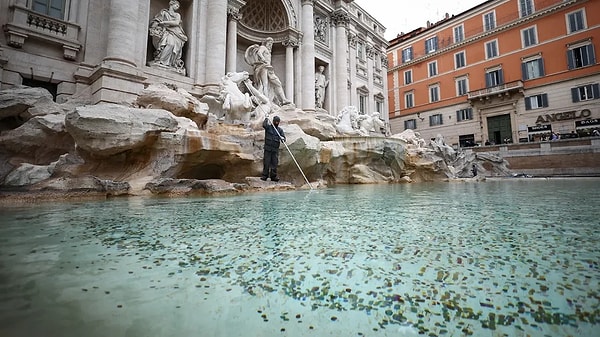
(499, 129)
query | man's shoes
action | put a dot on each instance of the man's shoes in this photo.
(263, 178)
(275, 179)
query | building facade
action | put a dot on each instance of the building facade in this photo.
(505, 71)
(108, 49)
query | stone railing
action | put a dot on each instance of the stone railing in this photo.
(496, 90)
(24, 23)
(568, 157)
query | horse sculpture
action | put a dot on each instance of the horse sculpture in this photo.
(236, 104)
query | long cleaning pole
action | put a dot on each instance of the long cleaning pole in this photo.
(284, 143)
(294, 158)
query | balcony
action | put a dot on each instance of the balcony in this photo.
(24, 23)
(500, 91)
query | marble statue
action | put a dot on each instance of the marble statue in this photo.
(347, 121)
(267, 82)
(239, 97)
(438, 144)
(351, 122)
(236, 104)
(321, 83)
(168, 39)
(412, 137)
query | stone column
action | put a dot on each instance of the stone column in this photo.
(352, 43)
(289, 44)
(122, 29)
(233, 16)
(341, 19)
(216, 37)
(298, 74)
(308, 56)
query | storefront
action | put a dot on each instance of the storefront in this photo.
(586, 127)
(540, 132)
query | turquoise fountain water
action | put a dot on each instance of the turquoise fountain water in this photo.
(498, 258)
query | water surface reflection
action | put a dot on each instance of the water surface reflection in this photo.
(511, 258)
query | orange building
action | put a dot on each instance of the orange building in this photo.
(505, 71)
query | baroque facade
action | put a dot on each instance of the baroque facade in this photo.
(505, 71)
(111, 49)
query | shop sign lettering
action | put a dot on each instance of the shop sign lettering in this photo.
(561, 116)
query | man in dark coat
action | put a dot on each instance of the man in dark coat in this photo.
(273, 137)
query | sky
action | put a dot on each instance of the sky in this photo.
(402, 16)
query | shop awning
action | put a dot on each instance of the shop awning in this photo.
(537, 129)
(588, 123)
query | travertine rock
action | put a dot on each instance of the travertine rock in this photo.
(16, 101)
(110, 149)
(109, 129)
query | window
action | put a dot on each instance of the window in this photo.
(362, 103)
(431, 45)
(410, 124)
(53, 8)
(436, 120)
(586, 92)
(581, 56)
(525, 7)
(494, 78)
(459, 60)
(407, 54)
(462, 86)
(532, 69)
(575, 21)
(491, 49)
(529, 37)
(464, 114)
(489, 21)
(408, 100)
(536, 101)
(408, 77)
(360, 51)
(378, 106)
(432, 66)
(434, 93)
(459, 33)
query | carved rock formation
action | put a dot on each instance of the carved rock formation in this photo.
(159, 147)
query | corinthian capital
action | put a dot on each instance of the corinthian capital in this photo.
(340, 18)
(233, 9)
(234, 14)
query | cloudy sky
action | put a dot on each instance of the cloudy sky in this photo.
(404, 15)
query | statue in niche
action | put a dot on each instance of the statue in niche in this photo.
(267, 82)
(321, 83)
(168, 38)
